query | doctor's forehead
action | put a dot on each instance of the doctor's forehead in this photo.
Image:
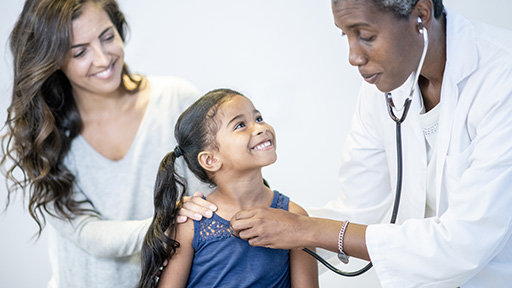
(350, 14)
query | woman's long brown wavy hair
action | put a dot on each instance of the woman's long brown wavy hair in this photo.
(43, 119)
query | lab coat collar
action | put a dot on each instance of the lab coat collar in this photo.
(461, 48)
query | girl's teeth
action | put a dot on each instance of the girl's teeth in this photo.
(263, 145)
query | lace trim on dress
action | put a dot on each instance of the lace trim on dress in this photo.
(280, 201)
(213, 229)
(218, 228)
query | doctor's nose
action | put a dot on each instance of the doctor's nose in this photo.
(356, 57)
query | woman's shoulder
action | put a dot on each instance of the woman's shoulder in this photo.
(170, 91)
(171, 84)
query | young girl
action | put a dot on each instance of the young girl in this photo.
(225, 143)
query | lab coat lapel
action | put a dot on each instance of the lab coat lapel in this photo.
(459, 65)
(418, 165)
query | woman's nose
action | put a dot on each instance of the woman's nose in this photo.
(101, 57)
(356, 57)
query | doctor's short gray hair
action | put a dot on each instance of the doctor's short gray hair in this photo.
(403, 8)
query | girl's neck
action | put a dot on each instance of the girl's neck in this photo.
(238, 193)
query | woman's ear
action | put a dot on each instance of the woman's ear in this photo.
(424, 9)
(208, 161)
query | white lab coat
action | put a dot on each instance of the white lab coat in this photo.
(468, 243)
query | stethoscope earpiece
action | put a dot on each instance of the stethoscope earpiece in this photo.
(421, 28)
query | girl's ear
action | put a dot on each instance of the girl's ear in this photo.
(208, 161)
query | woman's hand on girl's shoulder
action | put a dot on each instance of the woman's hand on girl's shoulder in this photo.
(195, 208)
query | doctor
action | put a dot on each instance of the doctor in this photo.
(454, 223)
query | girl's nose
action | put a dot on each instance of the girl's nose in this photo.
(259, 129)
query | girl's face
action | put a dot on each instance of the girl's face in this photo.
(95, 61)
(245, 141)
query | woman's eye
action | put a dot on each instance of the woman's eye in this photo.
(367, 38)
(79, 53)
(108, 37)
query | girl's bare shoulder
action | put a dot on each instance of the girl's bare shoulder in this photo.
(295, 208)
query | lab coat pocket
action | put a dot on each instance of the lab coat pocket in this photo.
(456, 165)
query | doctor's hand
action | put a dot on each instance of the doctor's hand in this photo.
(195, 207)
(271, 228)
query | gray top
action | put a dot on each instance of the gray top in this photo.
(104, 251)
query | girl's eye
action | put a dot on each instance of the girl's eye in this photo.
(240, 125)
(259, 119)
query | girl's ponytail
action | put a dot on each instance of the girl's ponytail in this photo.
(159, 244)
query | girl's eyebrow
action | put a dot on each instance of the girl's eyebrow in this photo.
(101, 34)
(239, 116)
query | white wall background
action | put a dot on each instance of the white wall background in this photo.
(286, 55)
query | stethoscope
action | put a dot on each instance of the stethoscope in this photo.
(398, 121)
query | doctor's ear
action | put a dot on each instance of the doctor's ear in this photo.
(209, 161)
(424, 11)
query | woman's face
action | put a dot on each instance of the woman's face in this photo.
(95, 61)
(384, 48)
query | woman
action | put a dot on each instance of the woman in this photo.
(454, 226)
(88, 136)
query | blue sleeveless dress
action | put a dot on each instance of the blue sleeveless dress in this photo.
(223, 260)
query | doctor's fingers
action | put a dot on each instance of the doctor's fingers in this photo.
(254, 235)
(259, 236)
(244, 220)
(266, 227)
(245, 214)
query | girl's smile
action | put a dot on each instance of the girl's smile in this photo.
(266, 145)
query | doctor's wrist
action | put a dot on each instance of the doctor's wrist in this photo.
(354, 241)
(322, 233)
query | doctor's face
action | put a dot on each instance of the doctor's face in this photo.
(384, 48)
